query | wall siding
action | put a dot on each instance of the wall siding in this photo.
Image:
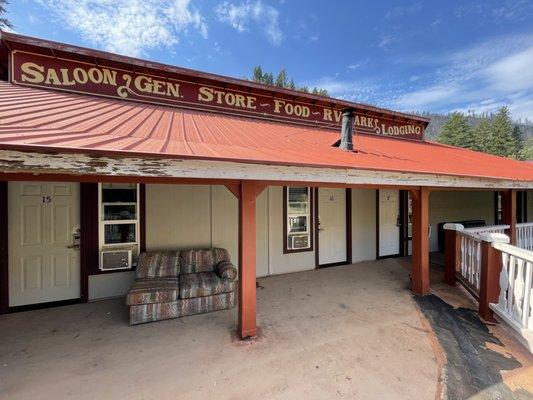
(284, 263)
(458, 206)
(363, 225)
(115, 284)
(178, 217)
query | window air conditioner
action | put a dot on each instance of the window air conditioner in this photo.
(111, 260)
(299, 242)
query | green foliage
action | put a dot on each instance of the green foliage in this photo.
(257, 75)
(456, 132)
(526, 153)
(480, 135)
(518, 140)
(496, 136)
(501, 141)
(282, 80)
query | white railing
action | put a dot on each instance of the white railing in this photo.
(524, 235)
(470, 258)
(515, 303)
(488, 229)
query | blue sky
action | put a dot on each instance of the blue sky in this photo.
(413, 56)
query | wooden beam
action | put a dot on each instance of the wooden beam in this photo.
(235, 189)
(4, 256)
(106, 168)
(489, 276)
(509, 213)
(420, 258)
(247, 252)
(452, 250)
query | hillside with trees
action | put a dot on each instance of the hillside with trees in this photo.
(492, 133)
(282, 80)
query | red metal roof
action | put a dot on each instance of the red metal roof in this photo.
(44, 120)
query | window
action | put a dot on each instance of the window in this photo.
(298, 220)
(119, 222)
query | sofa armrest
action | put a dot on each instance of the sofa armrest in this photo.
(225, 269)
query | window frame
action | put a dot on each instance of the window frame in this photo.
(311, 222)
(134, 246)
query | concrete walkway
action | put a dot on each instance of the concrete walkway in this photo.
(345, 332)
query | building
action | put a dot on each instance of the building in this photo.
(104, 156)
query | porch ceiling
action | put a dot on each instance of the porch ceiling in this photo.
(41, 120)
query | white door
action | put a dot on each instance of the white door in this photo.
(331, 226)
(389, 217)
(43, 265)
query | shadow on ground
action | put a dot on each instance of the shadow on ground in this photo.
(472, 369)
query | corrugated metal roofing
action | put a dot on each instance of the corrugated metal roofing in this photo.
(42, 120)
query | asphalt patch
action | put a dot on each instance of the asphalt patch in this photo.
(472, 369)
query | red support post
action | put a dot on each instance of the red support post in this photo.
(420, 258)
(249, 191)
(489, 277)
(452, 252)
(509, 213)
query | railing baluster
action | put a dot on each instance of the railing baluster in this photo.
(518, 292)
(510, 291)
(527, 306)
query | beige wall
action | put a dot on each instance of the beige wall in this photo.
(458, 206)
(182, 216)
(363, 225)
(110, 285)
(283, 263)
(193, 216)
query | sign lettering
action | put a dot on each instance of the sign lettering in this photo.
(75, 76)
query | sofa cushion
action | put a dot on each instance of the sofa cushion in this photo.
(202, 260)
(204, 284)
(158, 264)
(225, 269)
(153, 291)
(142, 313)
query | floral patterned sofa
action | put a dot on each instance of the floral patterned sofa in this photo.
(171, 284)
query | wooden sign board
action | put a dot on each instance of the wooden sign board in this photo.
(75, 76)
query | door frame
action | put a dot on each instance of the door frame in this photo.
(4, 263)
(403, 211)
(404, 221)
(348, 194)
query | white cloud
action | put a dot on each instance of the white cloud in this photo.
(353, 90)
(241, 16)
(426, 97)
(386, 40)
(128, 26)
(514, 72)
(399, 12)
(481, 78)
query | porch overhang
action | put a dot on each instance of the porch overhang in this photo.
(46, 131)
(15, 164)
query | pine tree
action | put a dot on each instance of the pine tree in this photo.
(500, 140)
(518, 142)
(292, 85)
(281, 80)
(268, 78)
(480, 135)
(258, 74)
(527, 151)
(4, 22)
(456, 132)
